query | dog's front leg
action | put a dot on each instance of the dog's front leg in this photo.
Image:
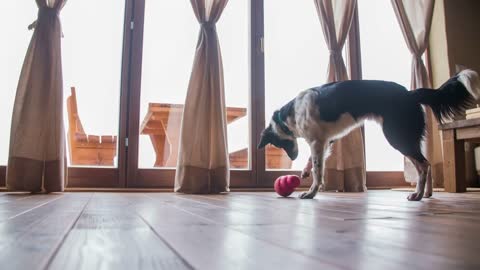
(308, 168)
(318, 162)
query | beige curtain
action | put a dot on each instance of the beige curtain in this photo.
(415, 19)
(37, 144)
(345, 168)
(203, 155)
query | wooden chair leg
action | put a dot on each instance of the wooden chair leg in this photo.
(453, 162)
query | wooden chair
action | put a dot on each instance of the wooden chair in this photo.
(99, 150)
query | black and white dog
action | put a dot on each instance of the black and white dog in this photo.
(324, 114)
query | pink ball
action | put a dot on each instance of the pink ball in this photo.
(286, 184)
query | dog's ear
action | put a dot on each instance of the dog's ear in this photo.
(266, 137)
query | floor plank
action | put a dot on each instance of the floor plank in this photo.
(422, 220)
(240, 230)
(109, 235)
(16, 205)
(215, 246)
(327, 240)
(11, 197)
(29, 238)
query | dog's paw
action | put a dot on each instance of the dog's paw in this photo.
(307, 195)
(428, 192)
(415, 196)
(305, 174)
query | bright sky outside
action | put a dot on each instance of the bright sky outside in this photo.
(385, 56)
(294, 60)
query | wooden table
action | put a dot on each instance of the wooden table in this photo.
(162, 124)
(454, 135)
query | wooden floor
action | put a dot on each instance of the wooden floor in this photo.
(374, 230)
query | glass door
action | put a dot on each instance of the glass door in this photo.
(385, 56)
(92, 57)
(127, 67)
(169, 32)
(294, 61)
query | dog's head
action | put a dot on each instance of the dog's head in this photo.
(278, 134)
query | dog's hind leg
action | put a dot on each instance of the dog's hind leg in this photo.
(406, 137)
(318, 150)
(429, 185)
(423, 168)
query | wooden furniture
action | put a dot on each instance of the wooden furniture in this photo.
(276, 158)
(99, 150)
(162, 125)
(454, 135)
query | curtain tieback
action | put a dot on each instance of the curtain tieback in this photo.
(32, 25)
(208, 25)
(335, 53)
(47, 10)
(418, 57)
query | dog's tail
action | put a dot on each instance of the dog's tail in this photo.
(453, 97)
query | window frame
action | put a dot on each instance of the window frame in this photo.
(128, 175)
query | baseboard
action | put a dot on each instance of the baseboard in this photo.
(4, 189)
(411, 189)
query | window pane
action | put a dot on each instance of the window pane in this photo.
(385, 56)
(92, 61)
(234, 35)
(12, 53)
(294, 61)
(170, 36)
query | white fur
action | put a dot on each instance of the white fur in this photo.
(309, 125)
(471, 81)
